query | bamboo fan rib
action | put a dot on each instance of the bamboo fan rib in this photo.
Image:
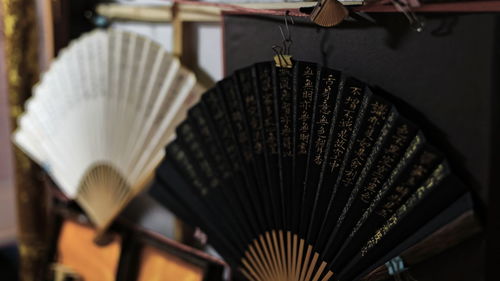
(305, 174)
(101, 115)
(278, 256)
(329, 13)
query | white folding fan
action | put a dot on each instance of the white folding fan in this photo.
(100, 117)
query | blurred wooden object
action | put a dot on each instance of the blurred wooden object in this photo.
(178, 32)
(150, 256)
(7, 219)
(63, 273)
(156, 265)
(46, 33)
(186, 12)
(190, 11)
(21, 55)
(132, 253)
(461, 229)
(77, 251)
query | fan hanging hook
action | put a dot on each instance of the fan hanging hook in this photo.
(287, 38)
(282, 56)
(416, 23)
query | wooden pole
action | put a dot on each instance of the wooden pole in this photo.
(45, 24)
(20, 53)
(178, 32)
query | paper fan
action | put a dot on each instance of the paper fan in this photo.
(100, 117)
(305, 174)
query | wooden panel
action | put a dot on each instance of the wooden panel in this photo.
(7, 215)
(7, 207)
(156, 265)
(77, 250)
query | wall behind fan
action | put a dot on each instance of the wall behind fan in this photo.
(205, 37)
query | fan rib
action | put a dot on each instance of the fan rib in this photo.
(251, 270)
(311, 266)
(288, 262)
(265, 261)
(247, 276)
(283, 255)
(299, 258)
(306, 263)
(269, 254)
(273, 245)
(293, 273)
(257, 263)
(328, 275)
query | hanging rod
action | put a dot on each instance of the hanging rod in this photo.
(190, 11)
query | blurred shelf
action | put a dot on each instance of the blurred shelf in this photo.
(190, 11)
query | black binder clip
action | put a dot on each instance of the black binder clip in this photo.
(282, 57)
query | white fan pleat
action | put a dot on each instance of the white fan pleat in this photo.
(174, 102)
(152, 108)
(100, 117)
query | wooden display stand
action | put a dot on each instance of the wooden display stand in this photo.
(130, 253)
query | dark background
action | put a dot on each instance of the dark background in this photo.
(444, 78)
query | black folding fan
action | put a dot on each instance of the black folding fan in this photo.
(303, 173)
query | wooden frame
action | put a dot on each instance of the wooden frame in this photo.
(184, 12)
(133, 240)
